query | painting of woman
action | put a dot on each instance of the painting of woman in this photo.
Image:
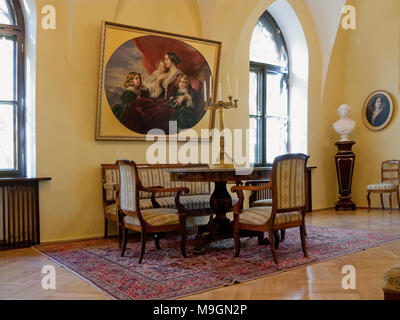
(378, 110)
(161, 62)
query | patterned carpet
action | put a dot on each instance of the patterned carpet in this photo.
(166, 275)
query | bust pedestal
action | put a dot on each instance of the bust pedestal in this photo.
(344, 160)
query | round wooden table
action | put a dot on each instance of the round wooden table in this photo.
(219, 227)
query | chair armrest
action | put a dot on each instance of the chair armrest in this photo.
(164, 190)
(256, 182)
(154, 190)
(181, 208)
(251, 188)
(111, 186)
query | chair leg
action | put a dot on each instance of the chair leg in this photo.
(303, 241)
(124, 241)
(143, 248)
(183, 243)
(237, 238)
(119, 235)
(182, 222)
(383, 206)
(390, 202)
(283, 235)
(105, 228)
(277, 238)
(260, 238)
(369, 200)
(398, 199)
(272, 244)
(157, 241)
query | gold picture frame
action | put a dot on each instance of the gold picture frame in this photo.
(175, 74)
(378, 110)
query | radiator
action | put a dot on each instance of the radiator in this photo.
(19, 216)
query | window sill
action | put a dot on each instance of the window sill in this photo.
(23, 179)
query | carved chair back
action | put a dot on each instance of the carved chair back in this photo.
(391, 171)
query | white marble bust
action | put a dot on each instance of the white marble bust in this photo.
(345, 126)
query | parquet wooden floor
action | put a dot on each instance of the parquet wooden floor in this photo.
(20, 270)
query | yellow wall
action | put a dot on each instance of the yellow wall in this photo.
(371, 63)
(67, 73)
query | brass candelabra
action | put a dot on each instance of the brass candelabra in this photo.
(221, 105)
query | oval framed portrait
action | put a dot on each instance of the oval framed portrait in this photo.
(378, 110)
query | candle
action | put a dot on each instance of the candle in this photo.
(219, 91)
(211, 88)
(205, 90)
(229, 85)
(237, 89)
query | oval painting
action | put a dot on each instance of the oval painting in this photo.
(152, 80)
(378, 110)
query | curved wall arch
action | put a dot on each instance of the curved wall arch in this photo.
(296, 42)
(29, 9)
(235, 30)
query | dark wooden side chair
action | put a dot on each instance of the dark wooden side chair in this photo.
(153, 221)
(390, 173)
(289, 194)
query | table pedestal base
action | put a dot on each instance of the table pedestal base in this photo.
(220, 227)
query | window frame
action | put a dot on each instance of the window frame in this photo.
(262, 69)
(17, 31)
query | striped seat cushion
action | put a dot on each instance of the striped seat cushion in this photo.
(155, 217)
(198, 202)
(262, 203)
(111, 209)
(261, 215)
(392, 278)
(381, 186)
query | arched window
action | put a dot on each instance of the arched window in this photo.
(268, 95)
(12, 89)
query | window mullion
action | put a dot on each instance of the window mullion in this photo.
(264, 113)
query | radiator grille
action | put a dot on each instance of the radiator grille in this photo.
(19, 221)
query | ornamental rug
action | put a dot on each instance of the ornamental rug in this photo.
(165, 274)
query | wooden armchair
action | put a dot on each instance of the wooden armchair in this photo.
(154, 220)
(390, 175)
(289, 194)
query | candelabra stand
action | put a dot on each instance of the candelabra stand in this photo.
(221, 105)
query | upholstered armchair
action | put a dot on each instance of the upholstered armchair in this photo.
(390, 172)
(289, 194)
(155, 220)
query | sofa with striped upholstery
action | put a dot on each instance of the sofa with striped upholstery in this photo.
(196, 202)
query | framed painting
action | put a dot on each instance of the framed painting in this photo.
(378, 110)
(154, 80)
